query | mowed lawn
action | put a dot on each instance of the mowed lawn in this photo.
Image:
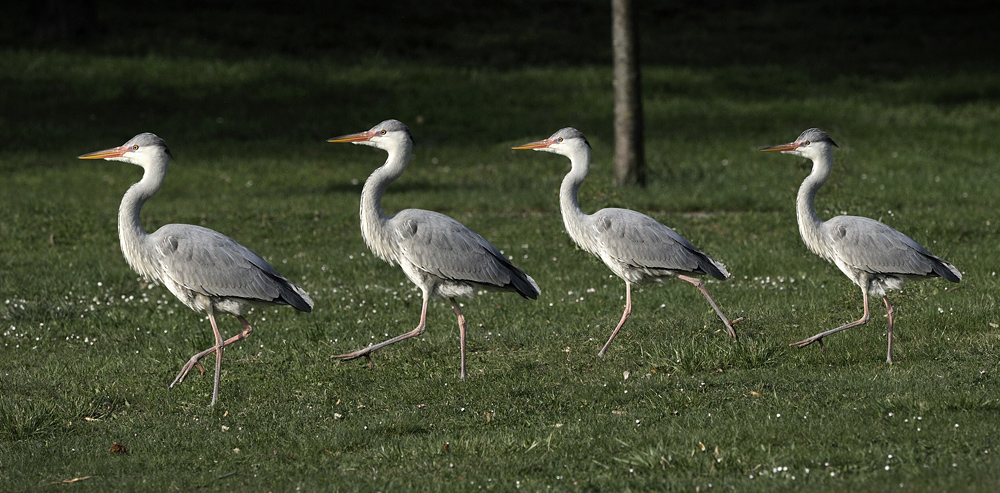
(87, 349)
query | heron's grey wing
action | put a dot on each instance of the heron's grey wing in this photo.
(215, 265)
(444, 247)
(879, 249)
(639, 240)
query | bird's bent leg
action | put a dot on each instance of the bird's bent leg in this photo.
(701, 287)
(366, 352)
(461, 334)
(888, 308)
(819, 337)
(193, 362)
(217, 349)
(625, 315)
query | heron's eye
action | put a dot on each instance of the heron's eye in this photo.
(382, 132)
(805, 143)
(560, 139)
(135, 147)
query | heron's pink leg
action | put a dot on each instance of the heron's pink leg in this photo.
(366, 352)
(219, 348)
(247, 330)
(819, 337)
(888, 308)
(625, 315)
(461, 334)
(701, 287)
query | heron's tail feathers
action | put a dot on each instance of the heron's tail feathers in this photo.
(714, 268)
(944, 269)
(526, 286)
(296, 296)
(503, 275)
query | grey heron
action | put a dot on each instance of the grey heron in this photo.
(206, 270)
(875, 256)
(634, 246)
(443, 257)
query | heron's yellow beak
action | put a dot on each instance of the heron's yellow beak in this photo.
(106, 154)
(358, 137)
(541, 144)
(791, 146)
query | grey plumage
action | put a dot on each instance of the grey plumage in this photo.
(210, 264)
(873, 255)
(454, 254)
(441, 256)
(634, 246)
(208, 271)
(640, 243)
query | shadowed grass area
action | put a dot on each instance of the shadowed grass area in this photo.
(88, 349)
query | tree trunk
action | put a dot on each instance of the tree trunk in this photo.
(629, 152)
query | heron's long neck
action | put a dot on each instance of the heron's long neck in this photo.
(373, 218)
(805, 210)
(573, 216)
(130, 233)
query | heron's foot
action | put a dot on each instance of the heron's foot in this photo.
(200, 369)
(193, 362)
(805, 342)
(732, 331)
(355, 355)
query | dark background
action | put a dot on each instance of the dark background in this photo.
(878, 38)
(456, 56)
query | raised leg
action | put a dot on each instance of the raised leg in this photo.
(217, 349)
(247, 330)
(701, 287)
(461, 334)
(366, 352)
(889, 309)
(819, 337)
(625, 315)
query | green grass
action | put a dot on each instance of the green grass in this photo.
(87, 349)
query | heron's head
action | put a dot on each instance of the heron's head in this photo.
(567, 141)
(388, 135)
(810, 144)
(140, 150)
